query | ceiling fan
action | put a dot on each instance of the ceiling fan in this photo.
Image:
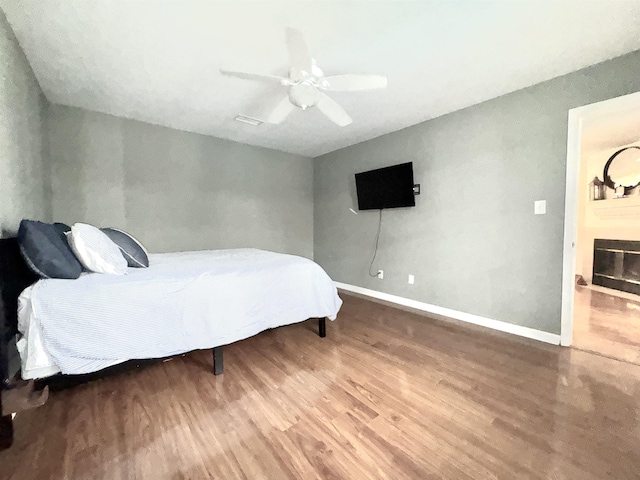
(306, 84)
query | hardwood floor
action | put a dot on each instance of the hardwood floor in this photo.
(387, 394)
(607, 324)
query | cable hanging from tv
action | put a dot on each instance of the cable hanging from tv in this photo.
(375, 252)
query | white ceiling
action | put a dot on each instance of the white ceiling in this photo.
(157, 61)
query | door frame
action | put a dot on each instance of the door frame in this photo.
(577, 117)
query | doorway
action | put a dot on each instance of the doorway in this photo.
(601, 294)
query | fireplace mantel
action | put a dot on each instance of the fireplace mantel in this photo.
(625, 207)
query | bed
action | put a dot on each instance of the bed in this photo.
(184, 301)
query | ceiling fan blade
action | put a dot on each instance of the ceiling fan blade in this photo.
(254, 76)
(333, 110)
(282, 111)
(353, 82)
(299, 51)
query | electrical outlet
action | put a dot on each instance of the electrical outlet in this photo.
(412, 279)
(380, 274)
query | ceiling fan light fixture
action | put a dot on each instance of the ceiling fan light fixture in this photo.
(248, 120)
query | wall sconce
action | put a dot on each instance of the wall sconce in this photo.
(596, 189)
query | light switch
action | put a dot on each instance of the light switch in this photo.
(540, 207)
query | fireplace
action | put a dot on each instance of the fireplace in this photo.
(616, 264)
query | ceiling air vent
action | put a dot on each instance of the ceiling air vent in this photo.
(250, 120)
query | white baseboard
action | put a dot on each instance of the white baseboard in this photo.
(462, 316)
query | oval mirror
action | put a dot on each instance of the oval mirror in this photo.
(623, 169)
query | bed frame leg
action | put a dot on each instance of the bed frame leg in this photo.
(6, 432)
(322, 327)
(218, 366)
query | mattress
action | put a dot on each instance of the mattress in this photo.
(184, 301)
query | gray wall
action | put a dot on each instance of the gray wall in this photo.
(24, 180)
(176, 190)
(472, 241)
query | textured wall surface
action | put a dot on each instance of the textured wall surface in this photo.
(87, 174)
(176, 190)
(24, 180)
(472, 241)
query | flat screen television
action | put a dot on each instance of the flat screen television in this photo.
(389, 187)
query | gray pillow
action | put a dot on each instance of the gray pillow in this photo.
(131, 249)
(46, 252)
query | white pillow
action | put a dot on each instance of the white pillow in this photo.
(95, 250)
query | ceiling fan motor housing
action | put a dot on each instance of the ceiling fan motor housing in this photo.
(297, 74)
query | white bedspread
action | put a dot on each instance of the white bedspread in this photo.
(182, 302)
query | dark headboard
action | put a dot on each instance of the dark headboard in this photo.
(15, 276)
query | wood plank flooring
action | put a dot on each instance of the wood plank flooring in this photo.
(387, 394)
(607, 324)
